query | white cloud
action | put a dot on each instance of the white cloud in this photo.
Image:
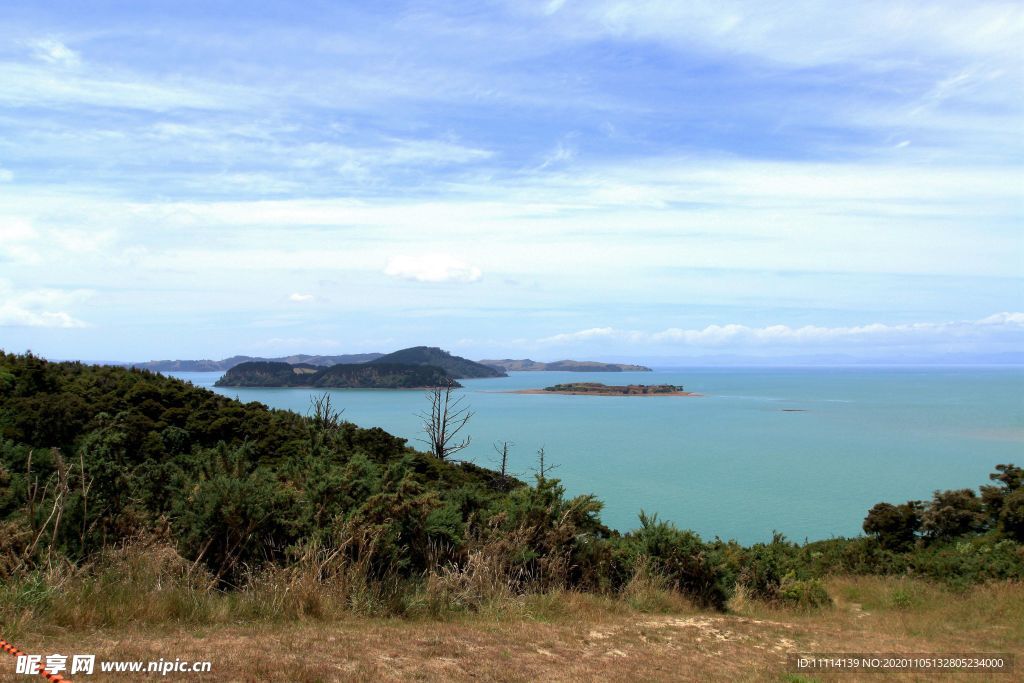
(299, 298)
(12, 315)
(1003, 319)
(553, 6)
(39, 85)
(6, 175)
(15, 230)
(1001, 325)
(560, 154)
(582, 335)
(810, 32)
(432, 268)
(17, 237)
(35, 308)
(428, 152)
(55, 52)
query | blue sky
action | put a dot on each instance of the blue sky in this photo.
(544, 179)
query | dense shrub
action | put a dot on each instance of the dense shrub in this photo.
(762, 568)
(895, 526)
(94, 458)
(695, 568)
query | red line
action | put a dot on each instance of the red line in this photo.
(15, 652)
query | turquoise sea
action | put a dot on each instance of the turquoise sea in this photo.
(741, 460)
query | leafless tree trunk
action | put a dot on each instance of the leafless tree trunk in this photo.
(503, 452)
(447, 417)
(542, 468)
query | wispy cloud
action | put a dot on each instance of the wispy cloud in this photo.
(998, 327)
(54, 52)
(23, 85)
(703, 163)
(299, 298)
(808, 32)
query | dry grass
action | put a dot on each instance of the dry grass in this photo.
(647, 635)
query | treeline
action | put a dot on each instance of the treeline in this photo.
(93, 458)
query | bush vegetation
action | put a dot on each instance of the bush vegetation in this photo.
(108, 473)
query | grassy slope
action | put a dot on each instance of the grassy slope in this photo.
(566, 637)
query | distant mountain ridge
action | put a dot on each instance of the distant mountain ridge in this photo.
(341, 376)
(228, 363)
(525, 364)
(456, 366)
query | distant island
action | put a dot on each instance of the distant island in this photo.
(228, 363)
(525, 364)
(343, 376)
(417, 355)
(597, 389)
(412, 368)
(456, 366)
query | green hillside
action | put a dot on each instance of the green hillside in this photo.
(345, 376)
(456, 366)
(93, 458)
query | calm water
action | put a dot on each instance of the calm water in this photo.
(733, 463)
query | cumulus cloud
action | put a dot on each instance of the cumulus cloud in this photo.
(12, 315)
(735, 335)
(432, 268)
(36, 308)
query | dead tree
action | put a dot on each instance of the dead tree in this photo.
(447, 417)
(543, 469)
(503, 452)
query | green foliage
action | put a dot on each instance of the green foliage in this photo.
(352, 375)
(1005, 501)
(804, 594)
(763, 567)
(453, 366)
(96, 458)
(695, 568)
(952, 514)
(1011, 515)
(895, 526)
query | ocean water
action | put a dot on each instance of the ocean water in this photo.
(802, 451)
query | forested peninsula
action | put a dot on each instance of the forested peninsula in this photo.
(412, 368)
(346, 376)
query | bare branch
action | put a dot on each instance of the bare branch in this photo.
(543, 469)
(503, 452)
(446, 419)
